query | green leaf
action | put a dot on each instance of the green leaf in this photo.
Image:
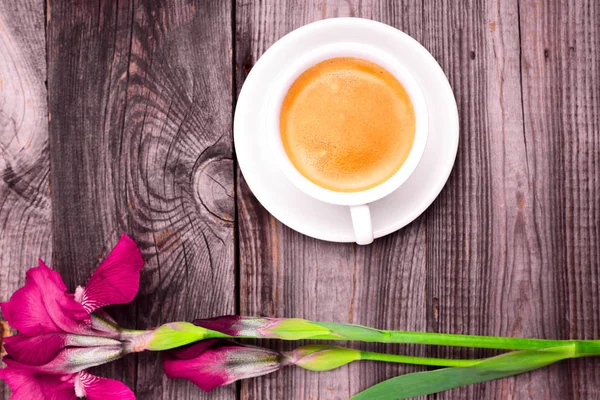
(509, 364)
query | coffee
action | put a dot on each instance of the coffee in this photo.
(347, 124)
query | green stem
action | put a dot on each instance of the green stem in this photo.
(584, 347)
(365, 334)
(394, 358)
(489, 342)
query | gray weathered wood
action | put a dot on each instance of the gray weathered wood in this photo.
(140, 103)
(561, 92)
(25, 211)
(487, 273)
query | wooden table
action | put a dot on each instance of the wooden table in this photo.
(116, 116)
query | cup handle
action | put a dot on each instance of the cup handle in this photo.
(361, 221)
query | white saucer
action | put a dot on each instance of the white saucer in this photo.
(332, 222)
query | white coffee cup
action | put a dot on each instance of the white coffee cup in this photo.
(358, 202)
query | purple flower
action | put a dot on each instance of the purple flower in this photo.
(217, 362)
(214, 362)
(44, 306)
(62, 334)
(28, 384)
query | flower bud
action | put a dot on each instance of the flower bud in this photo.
(322, 357)
(257, 327)
(170, 336)
(71, 360)
(212, 363)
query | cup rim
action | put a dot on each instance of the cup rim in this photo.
(279, 89)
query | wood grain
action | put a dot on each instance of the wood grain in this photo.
(140, 103)
(25, 206)
(561, 91)
(487, 272)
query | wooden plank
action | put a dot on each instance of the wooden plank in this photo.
(561, 91)
(283, 273)
(25, 207)
(140, 102)
(489, 270)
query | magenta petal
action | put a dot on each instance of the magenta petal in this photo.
(117, 279)
(225, 324)
(206, 381)
(206, 377)
(66, 313)
(95, 388)
(28, 385)
(43, 306)
(221, 363)
(26, 311)
(193, 350)
(37, 350)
